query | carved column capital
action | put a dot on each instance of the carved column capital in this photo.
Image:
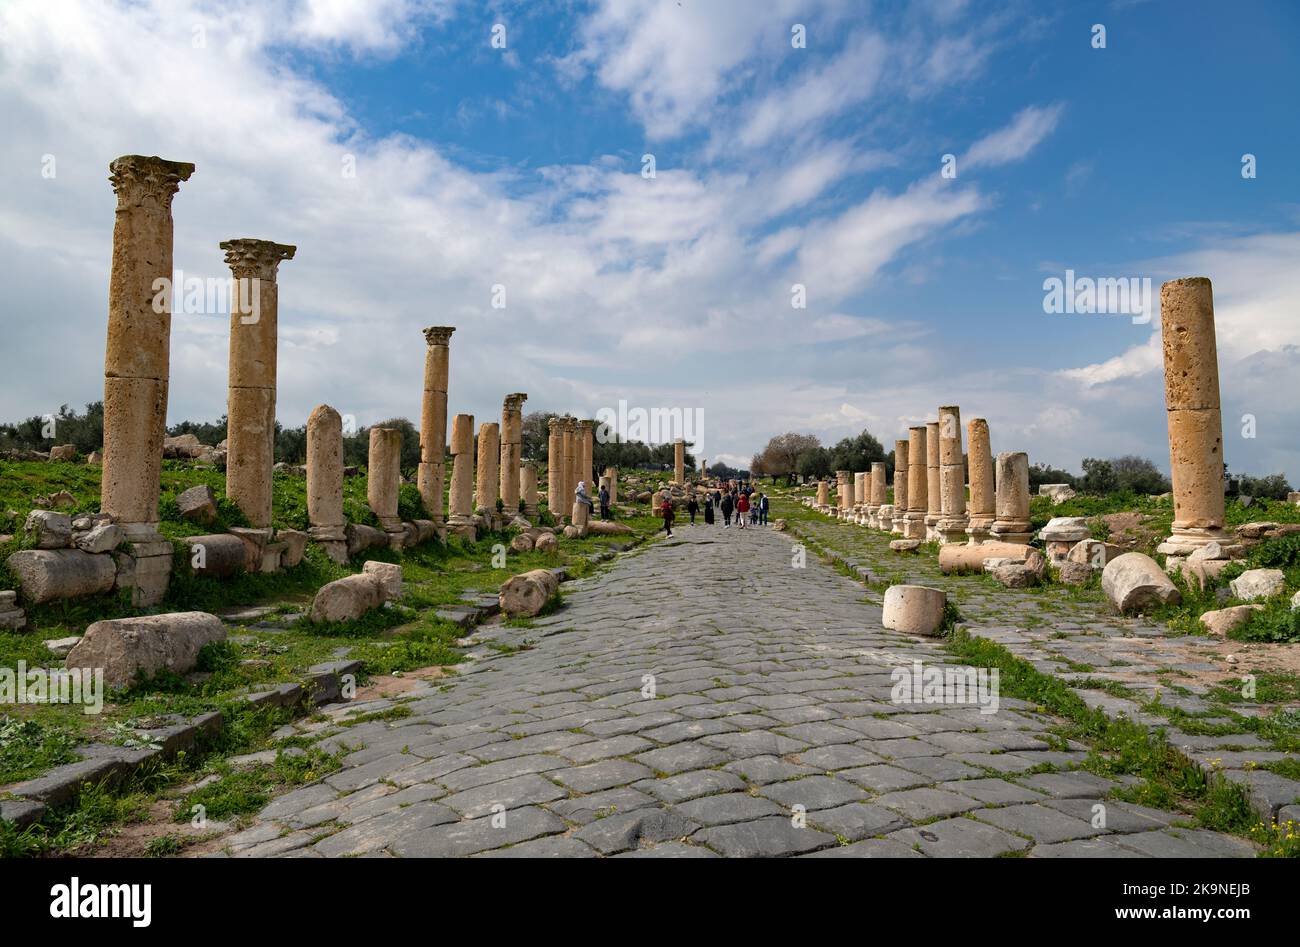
(259, 259)
(138, 180)
(438, 335)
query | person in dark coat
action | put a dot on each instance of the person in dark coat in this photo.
(692, 507)
(726, 510)
(667, 511)
(708, 511)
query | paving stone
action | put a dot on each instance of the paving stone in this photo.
(960, 838)
(669, 850)
(1041, 823)
(382, 831)
(728, 807)
(510, 793)
(883, 778)
(936, 768)
(868, 848)
(857, 820)
(1069, 785)
(813, 792)
(603, 775)
(761, 770)
(680, 757)
(763, 838)
(1099, 847)
(472, 777)
(605, 749)
(840, 756)
(993, 792)
(755, 743)
(927, 803)
(1119, 816)
(588, 808)
(627, 830)
(685, 786)
(552, 846)
(1186, 843)
(476, 835)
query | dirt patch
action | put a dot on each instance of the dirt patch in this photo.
(133, 839)
(390, 686)
(1130, 530)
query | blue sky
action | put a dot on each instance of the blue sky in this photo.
(479, 166)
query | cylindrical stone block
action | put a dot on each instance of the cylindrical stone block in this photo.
(933, 492)
(1012, 503)
(250, 433)
(489, 457)
(918, 490)
(586, 448)
(325, 468)
(528, 488)
(900, 485)
(1195, 424)
(431, 474)
(555, 467)
(460, 504)
(679, 461)
(512, 425)
(982, 508)
(384, 474)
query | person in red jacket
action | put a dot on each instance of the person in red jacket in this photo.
(668, 514)
(742, 509)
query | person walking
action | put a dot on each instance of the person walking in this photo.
(742, 508)
(727, 507)
(604, 502)
(708, 510)
(668, 515)
(762, 509)
(692, 507)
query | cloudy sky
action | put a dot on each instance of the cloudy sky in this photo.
(918, 169)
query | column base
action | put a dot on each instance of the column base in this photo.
(146, 566)
(914, 526)
(1019, 532)
(951, 530)
(1185, 540)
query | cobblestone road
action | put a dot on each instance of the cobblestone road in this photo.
(772, 690)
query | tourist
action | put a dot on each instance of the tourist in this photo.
(762, 508)
(727, 506)
(742, 507)
(692, 507)
(604, 502)
(580, 494)
(708, 510)
(668, 514)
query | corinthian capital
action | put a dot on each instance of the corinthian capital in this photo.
(258, 259)
(154, 181)
(514, 403)
(438, 335)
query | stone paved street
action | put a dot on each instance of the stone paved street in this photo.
(771, 692)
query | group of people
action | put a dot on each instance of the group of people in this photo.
(742, 503)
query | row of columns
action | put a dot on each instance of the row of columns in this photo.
(570, 458)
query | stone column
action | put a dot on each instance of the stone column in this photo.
(555, 468)
(586, 448)
(431, 475)
(933, 501)
(980, 459)
(570, 464)
(1012, 505)
(137, 363)
(843, 492)
(860, 492)
(679, 461)
(823, 495)
(460, 504)
(900, 488)
(612, 474)
(254, 316)
(325, 482)
(489, 477)
(952, 478)
(512, 449)
(877, 494)
(1195, 422)
(384, 479)
(528, 488)
(918, 490)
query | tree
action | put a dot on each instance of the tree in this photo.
(537, 434)
(1098, 477)
(781, 455)
(1272, 487)
(814, 462)
(857, 454)
(1139, 475)
(1042, 473)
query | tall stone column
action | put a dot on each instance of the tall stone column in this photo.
(528, 488)
(254, 336)
(679, 461)
(555, 467)
(460, 503)
(980, 459)
(918, 489)
(570, 463)
(586, 448)
(900, 488)
(325, 483)
(612, 474)
(384, 479)
(877, 495)
(860, 492)
(431, 474)
(512, 449)
(933, 501)
(843, 492)
(489, 477)
(1194, 417)
(1012, 524)
(952, 478)
(137, 362)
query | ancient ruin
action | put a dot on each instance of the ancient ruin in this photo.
(1012, 503)
(982, 496)
(953, 520)
(325, 482)
(918, 490)
(431, 474)
(460, 503)
(512, 428)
